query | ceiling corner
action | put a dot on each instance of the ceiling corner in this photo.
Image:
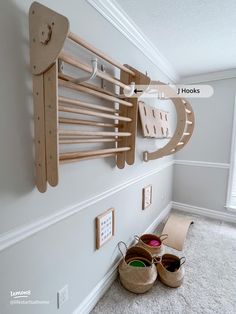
(111, 11)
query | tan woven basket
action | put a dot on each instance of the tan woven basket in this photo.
(154, 250)
(171, 270)
(137, 279)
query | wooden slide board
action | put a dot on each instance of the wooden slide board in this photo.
(176, 227)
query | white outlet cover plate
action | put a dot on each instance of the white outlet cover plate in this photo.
(147, 196)
(105, 227)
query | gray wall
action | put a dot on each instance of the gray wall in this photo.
(205, 184)
(64, 252)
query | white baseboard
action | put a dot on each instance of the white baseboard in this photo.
(95, 295)
(224, 216)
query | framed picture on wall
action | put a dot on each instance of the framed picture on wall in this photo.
(105, 227)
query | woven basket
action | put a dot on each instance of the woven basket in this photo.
(171, 270)
(137, 279)
(154, 250)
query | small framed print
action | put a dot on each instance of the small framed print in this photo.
(147, 196)
(105, 227)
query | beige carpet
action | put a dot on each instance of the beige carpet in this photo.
(210, 279)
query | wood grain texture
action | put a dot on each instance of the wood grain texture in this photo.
(98, 152)
(51, 124)
(48, 31)
(184, 127)
(39, 133)
(68, 83)
(144, 81)
(99, 53)
(87, 68)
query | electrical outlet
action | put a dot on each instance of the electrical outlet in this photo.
(62, 296)
(147, 196)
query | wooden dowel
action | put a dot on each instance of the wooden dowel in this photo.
(180, 143)
(101, 90)
(93, 87)
(87, 122)
(85, 67)
(72, 155)
(92, 133)
(85, 158)
(88, 140)
(80, 137)
(99, 53)
(188, 111)
(85, 104)
(93, 113)
(186, 134)
(68, 84)
(189, 122)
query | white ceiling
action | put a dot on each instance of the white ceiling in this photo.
(196, 37)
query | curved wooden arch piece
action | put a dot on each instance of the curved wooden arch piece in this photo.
(184, 127)
(48, 31)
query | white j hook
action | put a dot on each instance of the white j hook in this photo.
(93, 74)
(129, 90)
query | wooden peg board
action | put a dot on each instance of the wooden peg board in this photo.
(155, 122)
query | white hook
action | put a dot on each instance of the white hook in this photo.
(92, 75)
(129, 90)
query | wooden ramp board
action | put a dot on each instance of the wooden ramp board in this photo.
(177, 227)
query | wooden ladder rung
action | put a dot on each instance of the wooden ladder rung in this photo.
(186, 134)
(93, 113)
(188, 111)
(180, 143)
(64, 161)
(87, 122)
(87, 140)
(81, 154)
(189, 122)
(76, 102)
(68, 133)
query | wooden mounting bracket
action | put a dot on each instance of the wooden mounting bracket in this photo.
(48, 31)
(139, 79)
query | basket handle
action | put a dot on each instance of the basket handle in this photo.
(184, 260)
(157, 259)
(137, 238)
(164, 236)
(119, 247)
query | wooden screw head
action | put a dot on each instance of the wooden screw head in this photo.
(45, 33)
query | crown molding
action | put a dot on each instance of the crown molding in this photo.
(209, 77)
(111, 11)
